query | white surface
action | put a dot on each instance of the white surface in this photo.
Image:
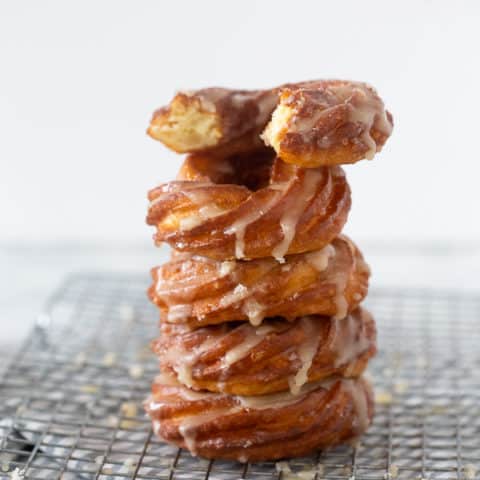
(80, 79)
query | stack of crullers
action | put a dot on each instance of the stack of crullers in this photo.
(263, 340)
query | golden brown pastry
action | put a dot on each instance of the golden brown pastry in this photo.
(199, 291)
(249, 207)
(215, 120)
(320, 122)
(258, 428)
(328, 122)
(239, 359)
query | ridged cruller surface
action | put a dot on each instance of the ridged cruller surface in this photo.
(280, 209)
(197, 291)
(241, 359)
(251, 428)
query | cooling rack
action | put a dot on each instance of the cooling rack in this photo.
(71, 399)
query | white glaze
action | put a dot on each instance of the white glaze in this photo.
(359, 398)
(239, 227)
(319, 259)
(169, 291)
(368, 110)
(207, 211)
(175, 187)
(254, 311)
(226, 268)
(190, 424)
(189, 222)
(186, 288)
(306, 352)
(340, 301)
(293, 212)
(350, 341)
(282, 399)
(281, 186)
(364, 108)
(179, 312)
(252, 338)
(184, 372)
(197, 196)
(182, 360)
(254, 402)
(239, 293)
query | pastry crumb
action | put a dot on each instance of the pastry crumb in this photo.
(383, 398)
(282, 467)
(109, 359)
(89, 388)
(347, 471)
(128, 409)
(128, 465)
(470, 471)
(439, 410)
(112, 421)
(401, 386)
(17, 474)
(136, 371)
(392, 472)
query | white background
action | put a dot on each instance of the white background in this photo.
(79, 80)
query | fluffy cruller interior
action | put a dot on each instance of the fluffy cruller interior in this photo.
(215, 120)
(328, 122)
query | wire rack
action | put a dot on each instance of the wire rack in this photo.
(71, 400)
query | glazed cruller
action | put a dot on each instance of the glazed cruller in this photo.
(263, 339)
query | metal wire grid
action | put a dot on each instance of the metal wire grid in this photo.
(71, 400)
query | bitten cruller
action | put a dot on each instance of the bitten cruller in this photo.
(314, 123)
(219, 121)
(263, 336)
